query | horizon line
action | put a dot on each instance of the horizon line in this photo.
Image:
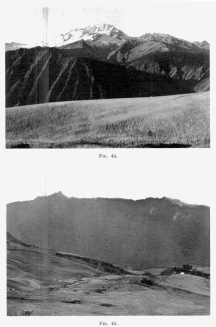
(111, 198)
(82, 28)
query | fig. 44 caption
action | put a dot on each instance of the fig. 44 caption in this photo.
(105, 156)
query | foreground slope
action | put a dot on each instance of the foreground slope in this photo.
(42, 282)
(133, 234)
(181, 120)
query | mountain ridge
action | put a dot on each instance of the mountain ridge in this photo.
(40, 75)
(91, 32)
(61, 194)
(136, 234)
(106, 65)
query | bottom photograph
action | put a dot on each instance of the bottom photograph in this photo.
(69, 256)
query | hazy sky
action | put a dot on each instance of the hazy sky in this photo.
(189, 20)
(135, 174)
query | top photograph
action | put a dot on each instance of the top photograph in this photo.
(108, 77)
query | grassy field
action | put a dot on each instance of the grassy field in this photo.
(42, 283)
(168, 121)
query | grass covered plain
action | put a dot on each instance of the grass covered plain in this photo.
(166, 121)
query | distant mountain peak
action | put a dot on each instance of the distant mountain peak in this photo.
(100, 26)
(167, 38)
(58, 194)
(90, 32)
(103, 29)
(204, 44)
(94, 32)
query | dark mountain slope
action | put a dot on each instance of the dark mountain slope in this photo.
(159, 57)
(137, 234)
(101, 61)
(40, 75)
(45, 75)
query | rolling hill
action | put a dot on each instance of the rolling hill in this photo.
(131, 234)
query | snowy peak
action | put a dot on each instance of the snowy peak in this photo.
(90, 33)
(107, 34)
(95, 32)
(107, 29)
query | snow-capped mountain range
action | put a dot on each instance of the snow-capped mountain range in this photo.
(113, 33)
(77, 34)
(103, 62)
(107, 34)
(89, 33)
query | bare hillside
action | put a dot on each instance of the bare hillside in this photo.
(41, 282)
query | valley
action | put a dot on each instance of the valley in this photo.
(42, 283)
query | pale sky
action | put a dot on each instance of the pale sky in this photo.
(190, 20)
(135, 174)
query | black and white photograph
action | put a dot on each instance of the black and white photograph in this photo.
(79, 245)
(109, 77)
(109, 219)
